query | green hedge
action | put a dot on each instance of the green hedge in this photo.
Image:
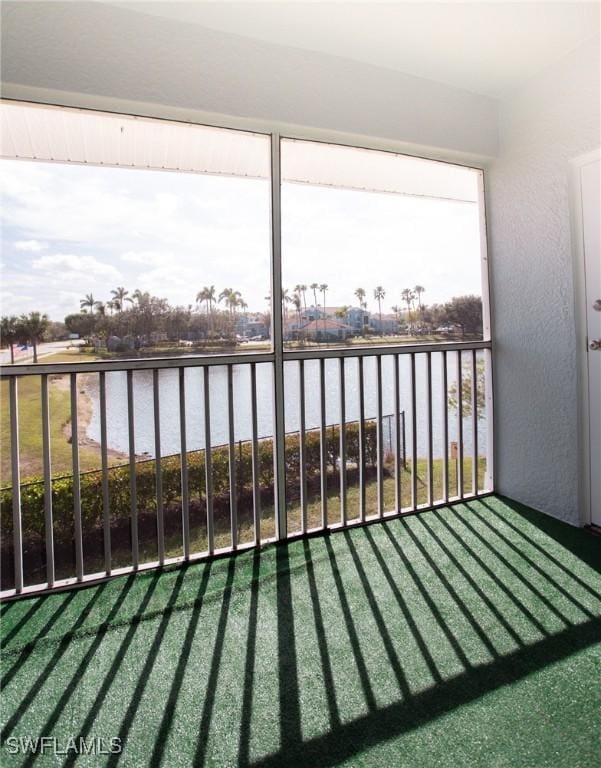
(32, 494)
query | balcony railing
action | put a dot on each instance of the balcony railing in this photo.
(199, 457)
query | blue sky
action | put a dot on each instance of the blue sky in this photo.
(69, 230)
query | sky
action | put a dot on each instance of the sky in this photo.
(71, 230)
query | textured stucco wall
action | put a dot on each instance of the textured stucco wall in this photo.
(555, 118)
(97, 49)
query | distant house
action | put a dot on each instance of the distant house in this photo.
(388, 324)
(252, 325)
(326, 329)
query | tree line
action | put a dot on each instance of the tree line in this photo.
(215, 315)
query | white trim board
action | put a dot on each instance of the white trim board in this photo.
(578, 264)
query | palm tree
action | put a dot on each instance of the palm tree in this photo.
(360, 294)
(302, 291)
(379, 294)
(88, 301)
(322, 289)
(314, 287)
(231, 298)
(296, 300)
(33, 327)
(119, 295)
(408, 296)
(286, 299)
(419, 289)
(9, 334)
(138, 297)
(226, 295)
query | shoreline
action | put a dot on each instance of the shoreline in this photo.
(86, 382)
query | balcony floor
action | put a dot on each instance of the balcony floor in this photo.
(467, 636)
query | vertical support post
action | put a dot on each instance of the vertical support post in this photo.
(379, 436)
(342, 437)
(323, 465)
(106, 512)
(474, 423)
(413, 435)
(281, 526)
(133, 492)
(459, 425)
(397, 434)
(302, 445)
(48, 522)
(403, 440)
(76, 480)
(16, 483)
(490, 422)
(430, 449)
(157, 464)
(232, 459)
(208, 461)
(362, 492)
(445, 428)
(255, 454)
(183, 443)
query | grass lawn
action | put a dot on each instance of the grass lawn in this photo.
(30, 425)
(198, 538)
(467, 636)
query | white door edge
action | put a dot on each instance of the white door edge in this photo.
(578, 263)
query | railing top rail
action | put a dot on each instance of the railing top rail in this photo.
(239, 358)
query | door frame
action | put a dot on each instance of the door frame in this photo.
(580, 316)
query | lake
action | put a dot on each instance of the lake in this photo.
(116, 392)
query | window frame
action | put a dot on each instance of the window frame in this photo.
(276, 133)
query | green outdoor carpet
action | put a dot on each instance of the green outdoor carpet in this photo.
(467, 636)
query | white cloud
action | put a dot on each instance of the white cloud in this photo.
(33, 246)
(59, 263)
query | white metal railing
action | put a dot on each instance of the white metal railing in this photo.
(275, 503)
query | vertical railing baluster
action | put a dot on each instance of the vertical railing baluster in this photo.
(133, 492)
(379, 436)
(413, 435)
(459, 426)
(429, 412)
(255, 455)
(232, 458)
(16, 485)
(183, 446)
(397, 435)
(362, 494)
(106, 512)
(342, 436)
(302, 445)
(48, 522)
(208, 461)
(323, 467)
(157, 464)
(488, 413)
(445, 428)
(277, 337)
(76, 479)
(474, 405)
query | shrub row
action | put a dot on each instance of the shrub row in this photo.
(32, 494)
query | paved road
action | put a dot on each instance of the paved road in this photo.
(49, 348)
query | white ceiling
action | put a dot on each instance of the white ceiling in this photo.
(484, 47)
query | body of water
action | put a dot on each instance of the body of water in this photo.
(116, 389)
